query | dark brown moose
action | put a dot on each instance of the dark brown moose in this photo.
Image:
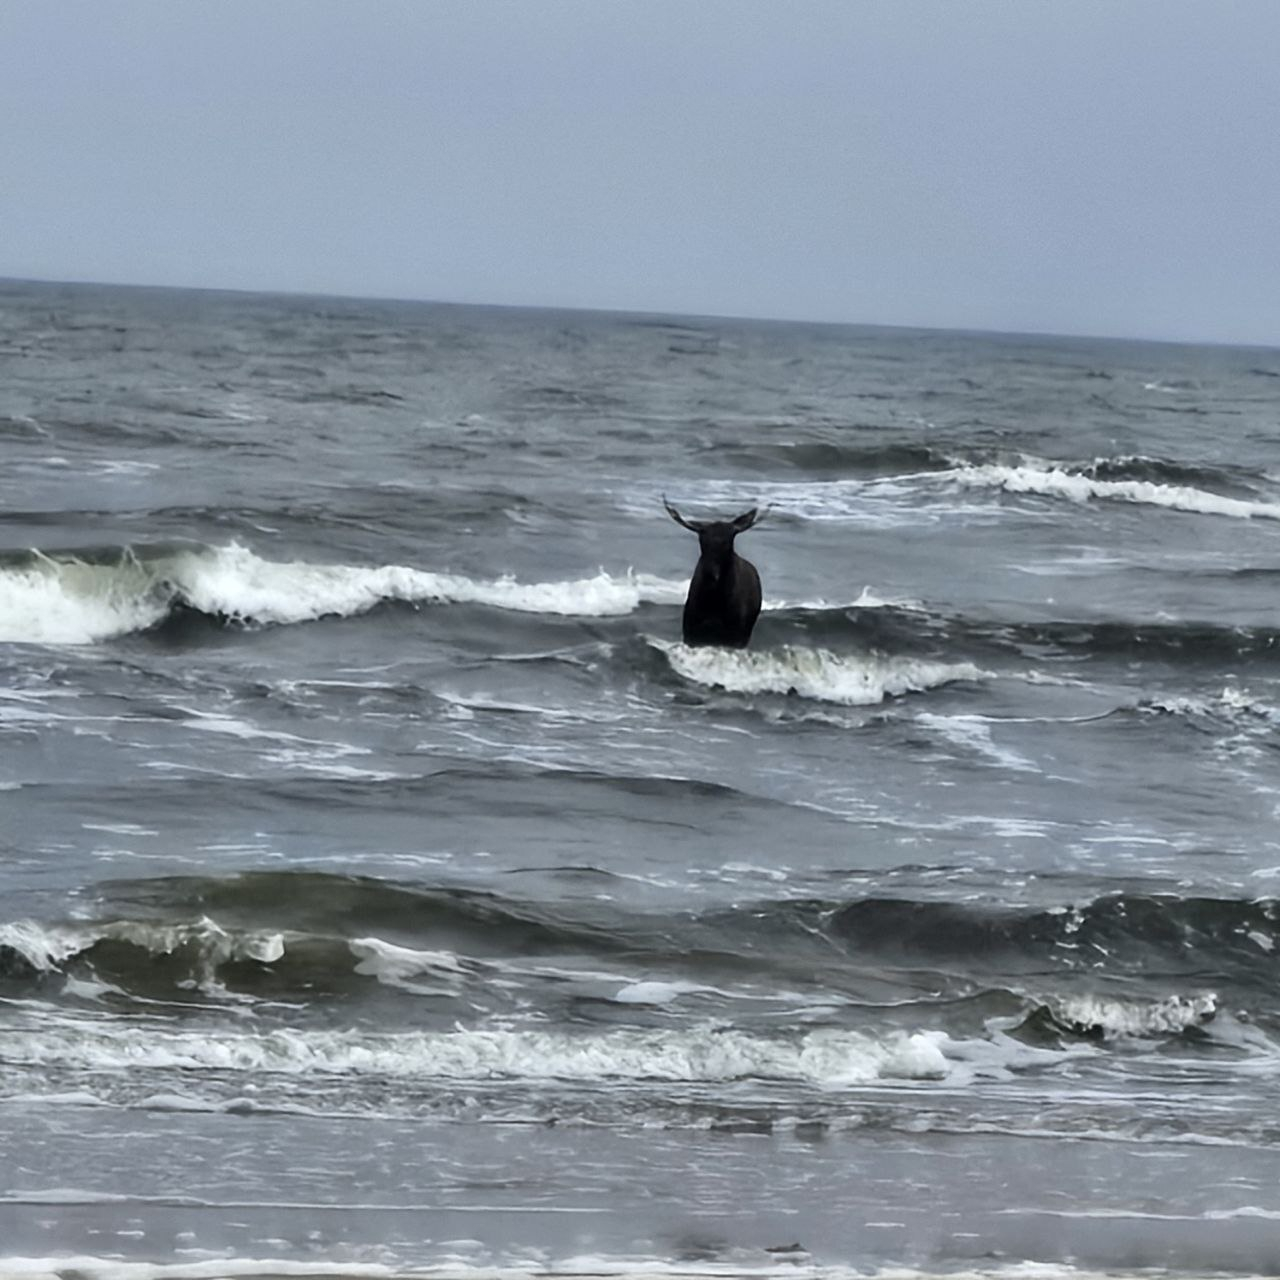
(724, 593)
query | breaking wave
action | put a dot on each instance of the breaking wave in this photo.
(874, 461)
(86, 596)
(1087, 483)
(83, 597)
(313, 927)
(895, 484)
(847, 680)
(1109, 1018)
(711, 1054)
(486, 972)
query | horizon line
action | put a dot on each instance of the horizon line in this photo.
(1052, 334)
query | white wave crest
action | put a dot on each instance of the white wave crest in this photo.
(826, 1057)
(818, 674)
(47, 947)
(882, 502)
(235, 582)
(1054, 482)
(867, 598)
(1231, 701)
(741, 1264)
(434, 972)
(72, 603)
(68, 601)
(43, 947)
(1137, 1018)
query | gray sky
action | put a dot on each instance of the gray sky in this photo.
(1086, 166)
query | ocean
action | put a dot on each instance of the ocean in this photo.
(385, 888)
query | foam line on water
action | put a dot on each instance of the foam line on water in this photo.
(1052, 481)
(852, 680)
(45, 600)
(825, 1057)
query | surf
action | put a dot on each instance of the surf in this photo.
(85, 597)
(1058, 481)
(819, 675)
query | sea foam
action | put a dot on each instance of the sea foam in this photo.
(741, 1265)
(71, 601)
(1115, 1018)
(849, 680)
(928, 496)
(46, 948)
(49, 602)
(825, 1057)
(236, 583)
(1053, 481)
(66, 600)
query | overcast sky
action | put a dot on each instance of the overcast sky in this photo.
(1082, 166)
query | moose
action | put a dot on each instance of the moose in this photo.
(724, 593)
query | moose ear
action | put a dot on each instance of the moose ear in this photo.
(694, 526)
(744, 522)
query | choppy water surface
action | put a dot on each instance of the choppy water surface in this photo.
(386, 887)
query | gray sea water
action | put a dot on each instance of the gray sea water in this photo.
(385, 889)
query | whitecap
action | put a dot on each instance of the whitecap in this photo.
(235, 582)
(398, 966)
(824, 1057)
(43, 947)
(1053, 481)
(818, 674)
(71, 601)
(45, 603)
(1116, 1018)
(884, 502)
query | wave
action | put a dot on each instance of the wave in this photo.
(1232, 704)
(710, 1054)
(825, 457)
(886, 485)
(86, 596)
(817, 674)
(303, 934)
(263, 915)
(1114, 469)
(1082, 484)
(1204, 642)
(790, 1262)
(1107, 1018)
(911, 632)
(134, 952)
(1117, 934)
(45, 600)
(94, 594)
(306, 936)
(239, 585)
(63, 1265)
(1165, 471)
(903, 459)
